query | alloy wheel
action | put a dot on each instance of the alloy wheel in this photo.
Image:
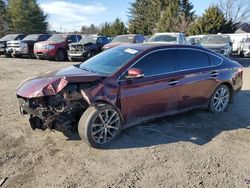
(221, 99)
(105, 126)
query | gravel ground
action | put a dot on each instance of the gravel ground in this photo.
(194, 149)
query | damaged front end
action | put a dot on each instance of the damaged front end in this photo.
(58, 105)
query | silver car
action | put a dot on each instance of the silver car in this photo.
(245, 47)
(221, 44)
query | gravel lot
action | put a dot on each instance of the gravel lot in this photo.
(195, 149)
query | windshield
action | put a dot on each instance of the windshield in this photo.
(216, 39)
(32, 37)
(9, 37)
(58, 38)
(124, 39)
(247, 40)
(108, 62)
(163, 38)
(88, 40)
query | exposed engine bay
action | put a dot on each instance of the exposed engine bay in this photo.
(61, 111)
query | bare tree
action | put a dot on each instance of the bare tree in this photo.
(236, 10)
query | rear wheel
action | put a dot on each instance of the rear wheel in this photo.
(16, 55)
(71, 59)
(7, 55)
(99, 126)
(220, 99)
(60, 55)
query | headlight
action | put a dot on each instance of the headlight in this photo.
(50, 47)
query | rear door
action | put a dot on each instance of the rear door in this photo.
(199, 77)
(155, 94)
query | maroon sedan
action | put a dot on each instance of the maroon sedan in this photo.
(126, 85)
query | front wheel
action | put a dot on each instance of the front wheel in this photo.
(220, 99)
(100, 125)
(60, 55)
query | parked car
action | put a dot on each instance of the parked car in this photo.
(236, 39)
(124, 39)
(5, 39)
(168, 38)
(220, 44)
(193, 40)
(18, 48)
(86, 47)
(55, 47)
(128, 84)
(245, 47)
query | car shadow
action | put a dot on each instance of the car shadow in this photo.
(197, 126)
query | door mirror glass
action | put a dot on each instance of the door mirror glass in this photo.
(134, 73)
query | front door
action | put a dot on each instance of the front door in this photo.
(157, 93)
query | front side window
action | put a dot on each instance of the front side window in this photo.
(160, 62)
(192, 59)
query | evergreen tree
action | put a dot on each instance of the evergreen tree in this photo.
(186, 8)
(112, 29)
(169, 18)
(211, 22)
(3, 18)
(144, 15)
(26, 17)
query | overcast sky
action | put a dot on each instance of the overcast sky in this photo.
(70, 15)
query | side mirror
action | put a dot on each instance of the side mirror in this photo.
(69, 41)
(230, 43)
(134, 73)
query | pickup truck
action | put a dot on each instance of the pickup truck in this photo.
(55, 47)
(5, 39)
(18, 48)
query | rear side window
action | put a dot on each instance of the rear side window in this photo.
(160, 62)
(214, 60)
(192, 59)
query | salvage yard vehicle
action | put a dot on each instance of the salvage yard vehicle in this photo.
(220, 44)
(244, 49)
(126, 85)
(18, 48)
(86, 48)
(5, 39)
(168, 38)
(125, 39)
(55, 47)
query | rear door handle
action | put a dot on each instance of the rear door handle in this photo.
(214, 73)
(173, 82)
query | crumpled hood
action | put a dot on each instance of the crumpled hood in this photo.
(52, 82)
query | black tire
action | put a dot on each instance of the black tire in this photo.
(90, 54)
(71, 59)
(31, 55)
(219, 103)
(39, 58)
(60, 55)
(242, 54)
(7, 55)
(97, 136)
(16, 55)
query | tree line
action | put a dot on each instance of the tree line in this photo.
(22, 16)
(150, 16)
(144, 17)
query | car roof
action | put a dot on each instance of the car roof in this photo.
(158, 46)
(166, 33)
